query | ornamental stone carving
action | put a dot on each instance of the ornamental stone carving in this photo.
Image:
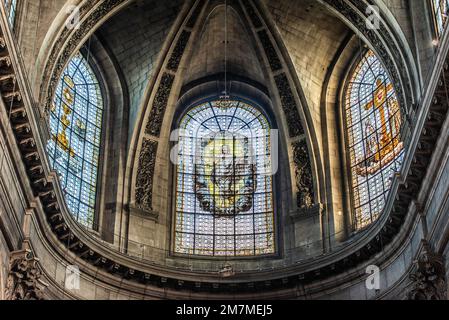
(23, 281)
(428, 280)
(178, 51)
(303, 175)
(270, 51)
(145, 173)
(289, 106)
(160, 105)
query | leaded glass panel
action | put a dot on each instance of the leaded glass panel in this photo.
(74, 149)
(224, 198)
(440, 11)
(373, 122)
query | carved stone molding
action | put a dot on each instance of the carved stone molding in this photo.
(23, 281)
(148, 215)
(289, 106)
(145, 173)
(428, 279)
(178, 51)
(303, 175)
(270, 51)
(195, 14)
(160, 105)
(27, 140)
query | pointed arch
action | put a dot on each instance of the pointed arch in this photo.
(373, 123)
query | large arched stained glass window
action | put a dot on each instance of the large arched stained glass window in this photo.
(74, 148)
(224, 196)
(373, 121)
(440, 12)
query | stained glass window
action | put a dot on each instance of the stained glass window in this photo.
(10, 8)
(440, 11)
(224, 200)
(74, 149)
(373, 121)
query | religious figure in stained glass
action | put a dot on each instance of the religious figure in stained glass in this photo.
(381, 146)
(373, 121)
(75, 124)
(226, 173)
(224, 204)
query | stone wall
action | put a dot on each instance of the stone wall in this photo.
(136, 44)
(312, 37)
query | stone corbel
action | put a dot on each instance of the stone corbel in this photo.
(145, 213)
(24, 279)
(428, 279)
(303, 213)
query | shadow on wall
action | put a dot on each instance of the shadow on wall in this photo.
(2, 284)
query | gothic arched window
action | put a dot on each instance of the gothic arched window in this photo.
(74, 149)
(373, 123)
(10, 8)
(440, 12)
(224, 189)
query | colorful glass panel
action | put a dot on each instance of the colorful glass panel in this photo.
(440, 11)
(373, 121)
(74, 149)
(224, 198)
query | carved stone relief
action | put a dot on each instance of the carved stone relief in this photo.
(289, 106)
(252, 14)
(160, 105)
(145, 173)
(194, 17)
(178, 52)
(428, 279)
(23, 279)
(303, 175)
